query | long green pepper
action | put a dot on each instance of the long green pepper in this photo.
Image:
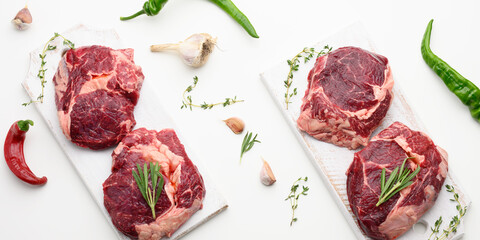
(153, 7)
(465, 90)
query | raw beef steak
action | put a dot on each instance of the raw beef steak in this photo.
(96, 90)
(182, 193)
(349, 92)
(388, 150)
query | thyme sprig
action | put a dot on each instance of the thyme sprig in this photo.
(248, 143)
(150, 192)
(293, 196)
(452, 226)
(41, 73)
(188, 103)
(398, 180)
(436, 229)
(294, 63)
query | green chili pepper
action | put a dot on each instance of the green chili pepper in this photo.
(235, 13)
(465, 90)
(151, 8)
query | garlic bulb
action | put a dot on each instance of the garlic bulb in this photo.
(235, 124)
(23, 19)
(194, 51)
(266, 174)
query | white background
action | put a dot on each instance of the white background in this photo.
(63, 209)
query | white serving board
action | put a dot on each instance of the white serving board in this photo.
(95, 166)
(331, 161)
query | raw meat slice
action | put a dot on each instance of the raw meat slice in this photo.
(96, 90)
(348, 95)
(182, 195)
(388, 150)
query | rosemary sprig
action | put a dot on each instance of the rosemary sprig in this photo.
(188, 103)
(398, 180)
(151, 193)
(293, 196)
(452, 226)
(248, 143)
(41, 73)
(306, 54)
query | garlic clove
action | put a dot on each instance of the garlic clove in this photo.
(266, 174)
(235, 124)
(23, 19)
(195, 50)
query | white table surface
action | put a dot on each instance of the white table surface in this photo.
(63, 209)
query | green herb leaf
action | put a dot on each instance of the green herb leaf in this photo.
(188, 103)
(41, 72)
(293, 196)
(151, 194)
(306, 54)
(453, 224)
(139, 181)
(398, 180)
(248, 143)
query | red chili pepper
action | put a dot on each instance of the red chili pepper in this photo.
(13, 150)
